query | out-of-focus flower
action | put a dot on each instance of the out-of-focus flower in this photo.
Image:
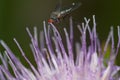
(54, 62)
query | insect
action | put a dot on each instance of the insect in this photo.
(60, 13)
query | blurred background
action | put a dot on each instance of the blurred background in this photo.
(16, 15)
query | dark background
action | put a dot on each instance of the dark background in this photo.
(16, 15)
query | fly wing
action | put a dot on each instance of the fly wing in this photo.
(58, 6)
(56, 11)
(75, 6)
(69, 9)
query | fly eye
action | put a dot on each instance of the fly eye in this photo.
(50, 21)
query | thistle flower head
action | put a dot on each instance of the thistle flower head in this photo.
(54, 62)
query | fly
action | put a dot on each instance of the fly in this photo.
(60, 13)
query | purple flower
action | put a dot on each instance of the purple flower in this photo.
(54, 62)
